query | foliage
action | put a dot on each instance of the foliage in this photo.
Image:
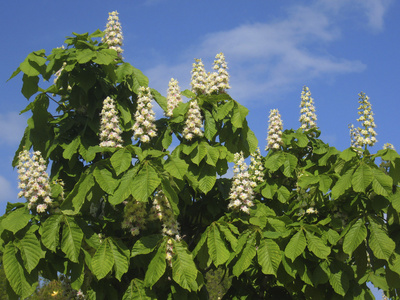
(323, 224)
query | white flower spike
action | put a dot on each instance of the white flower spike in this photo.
(109, 125)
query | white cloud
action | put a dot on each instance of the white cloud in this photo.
(6, 191)
(13, 126)
(264, 57)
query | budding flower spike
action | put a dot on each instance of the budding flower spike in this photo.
(109, 125)
(199, 78)
(34, 181)
(355, 138)
(256, 168)
(367, 133)
(113, 33)
(275, 127)
(173, 97)
(241, 193)
(218, 81)
(308, 116)
(144, 127)
(194, 122)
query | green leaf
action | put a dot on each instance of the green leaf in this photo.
(145, 183)
(362, 177)
(145, 244)
(239, 115)
(347, 154)
(217, 246)
(122, 192)
(31, 251)
(188, 94)
(22, 283)
(15, 73)
(103, 260)
(105, 57)
(224, 110)
(121, 161)
(228, 234)
(325, 183)
(30, 69)
(176, 167)
(72, 147)
(105, 179)
(283, 194)
(75, 199)
(156, 267)
(85, 55)
(382, 183)
(30, 85)
(121, 258)
(199, 153)
(123, 70)
(210, 128)
(342, 184)
(207, 178)
(317, 246)
(296, 245)
(184, 271)
(212, 155)
(324, 159)
(339, 282)
(246, 257)
(275, 161)
(137, 291)
(395, 199)
(289, 164)
(16, 220)
(381, 244)
(72, 236)
(269, 256)
(354, 237)
(51, 232)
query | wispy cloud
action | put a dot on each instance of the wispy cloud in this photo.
(13, 126)
(6, 191)
(264, 57)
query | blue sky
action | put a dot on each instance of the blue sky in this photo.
(337, 48)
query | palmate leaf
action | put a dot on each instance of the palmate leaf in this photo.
(21, 282)
(121, 258)
(184, 271)
(31, 251)
(145, 182)
(381, 244)
(105, 179)
(51, 232)
(72, 236)
(145, 244)
(103, 260)
(362, 177)
(207, 178)
(246, 257)
(239, 115)
(176, 167)
(75, 199)
(296, 245)
(317, 246)
(382, 183)
(339, 281)
(210, 128)
(354, 237)
(289, 164)
(137, 291)
(217, 246)
(342, 184)
(156, 267)
(269, 256)
(16, 220)
(122, 192)
(275, 161)
(121, 161)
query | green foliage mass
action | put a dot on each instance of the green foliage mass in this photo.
(325, 222)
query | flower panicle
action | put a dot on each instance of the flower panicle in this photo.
(199, 78)
(367, 133)
(308, 116)
(34, 181)
(194, 122)
(109, 125)
(256, 168)
(113, 33)
(173, 97)
(144, 127)
(275, 127)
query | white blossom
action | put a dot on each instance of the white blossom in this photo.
(366, 135)
(308, 116)
(388, 146)
(241, 193)
(144, 127)
(275, 127)
(218, 81)
(199, 78)
(256, 169)
(34, 180)
(109, 125)
(113, 33)
(173, 97)
(194, 122)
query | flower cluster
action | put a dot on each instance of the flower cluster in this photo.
(199, 78)
(256, 168)
(134, 217)
(173, 96)
(162, 211)
(34, 180)
(367, 134)
(113, 33)
(218, 81)
(311, 210)
(355, 138)
(144, 127)
(109, 128)
(388, 146)
(194, 122)
(241, 193)
(275, 127)
(308, 116)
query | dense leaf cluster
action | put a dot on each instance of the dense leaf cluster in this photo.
(324, 223)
